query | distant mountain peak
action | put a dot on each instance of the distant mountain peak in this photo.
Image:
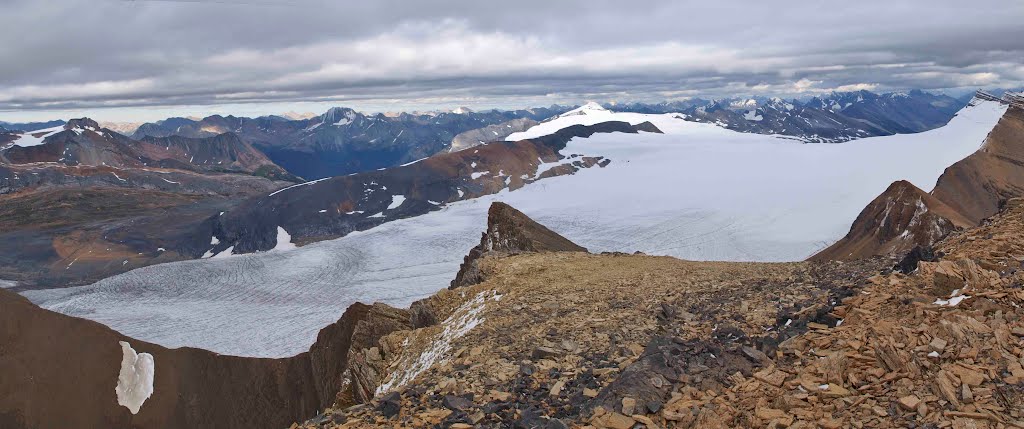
(297, 116)
(586, 109)
(462, 110)
(82, 123)
(338, 116)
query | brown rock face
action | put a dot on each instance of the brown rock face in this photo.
(509, 231)
(340, 343)
(60, 371)
(895, 222)
(976, 185)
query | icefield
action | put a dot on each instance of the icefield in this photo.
(697, 192)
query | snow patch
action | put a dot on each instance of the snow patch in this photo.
(462, 320)
(477, 175)
(396, 200)
(951, 302)
(284, 240)
(296, 186)
(227, 253)
(36, 138)
(587, 109)
(135, 381)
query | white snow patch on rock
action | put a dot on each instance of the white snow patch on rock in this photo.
(952, 302)
(296, 186)
(463, 320)
(135, 381)
(396, 200)
(284, 240)
(35, 138)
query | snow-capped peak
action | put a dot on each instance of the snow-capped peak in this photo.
(462, 111)
(338, 116)
(586, 109)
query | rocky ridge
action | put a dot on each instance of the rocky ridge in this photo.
(509, 231)
(712, 345)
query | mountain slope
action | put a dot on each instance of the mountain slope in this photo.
(223, 152)
(331, 208)
(84, 142)
(898, 112)
(978, 184)
(895, 222)
(490, 133)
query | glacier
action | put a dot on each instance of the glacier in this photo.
(696, 192)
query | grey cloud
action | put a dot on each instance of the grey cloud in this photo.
(78, 54)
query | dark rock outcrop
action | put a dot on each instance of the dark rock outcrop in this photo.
(60, 371)
(509, 231)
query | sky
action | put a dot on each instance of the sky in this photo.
(137, 60)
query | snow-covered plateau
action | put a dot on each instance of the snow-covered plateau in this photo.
(697, 191)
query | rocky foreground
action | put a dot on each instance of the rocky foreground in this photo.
(570, 339)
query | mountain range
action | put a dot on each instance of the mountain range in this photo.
(831, 118)
(343, 141)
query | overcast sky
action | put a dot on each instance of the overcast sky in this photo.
(143, 60)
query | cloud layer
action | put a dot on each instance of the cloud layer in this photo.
(98, 54)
